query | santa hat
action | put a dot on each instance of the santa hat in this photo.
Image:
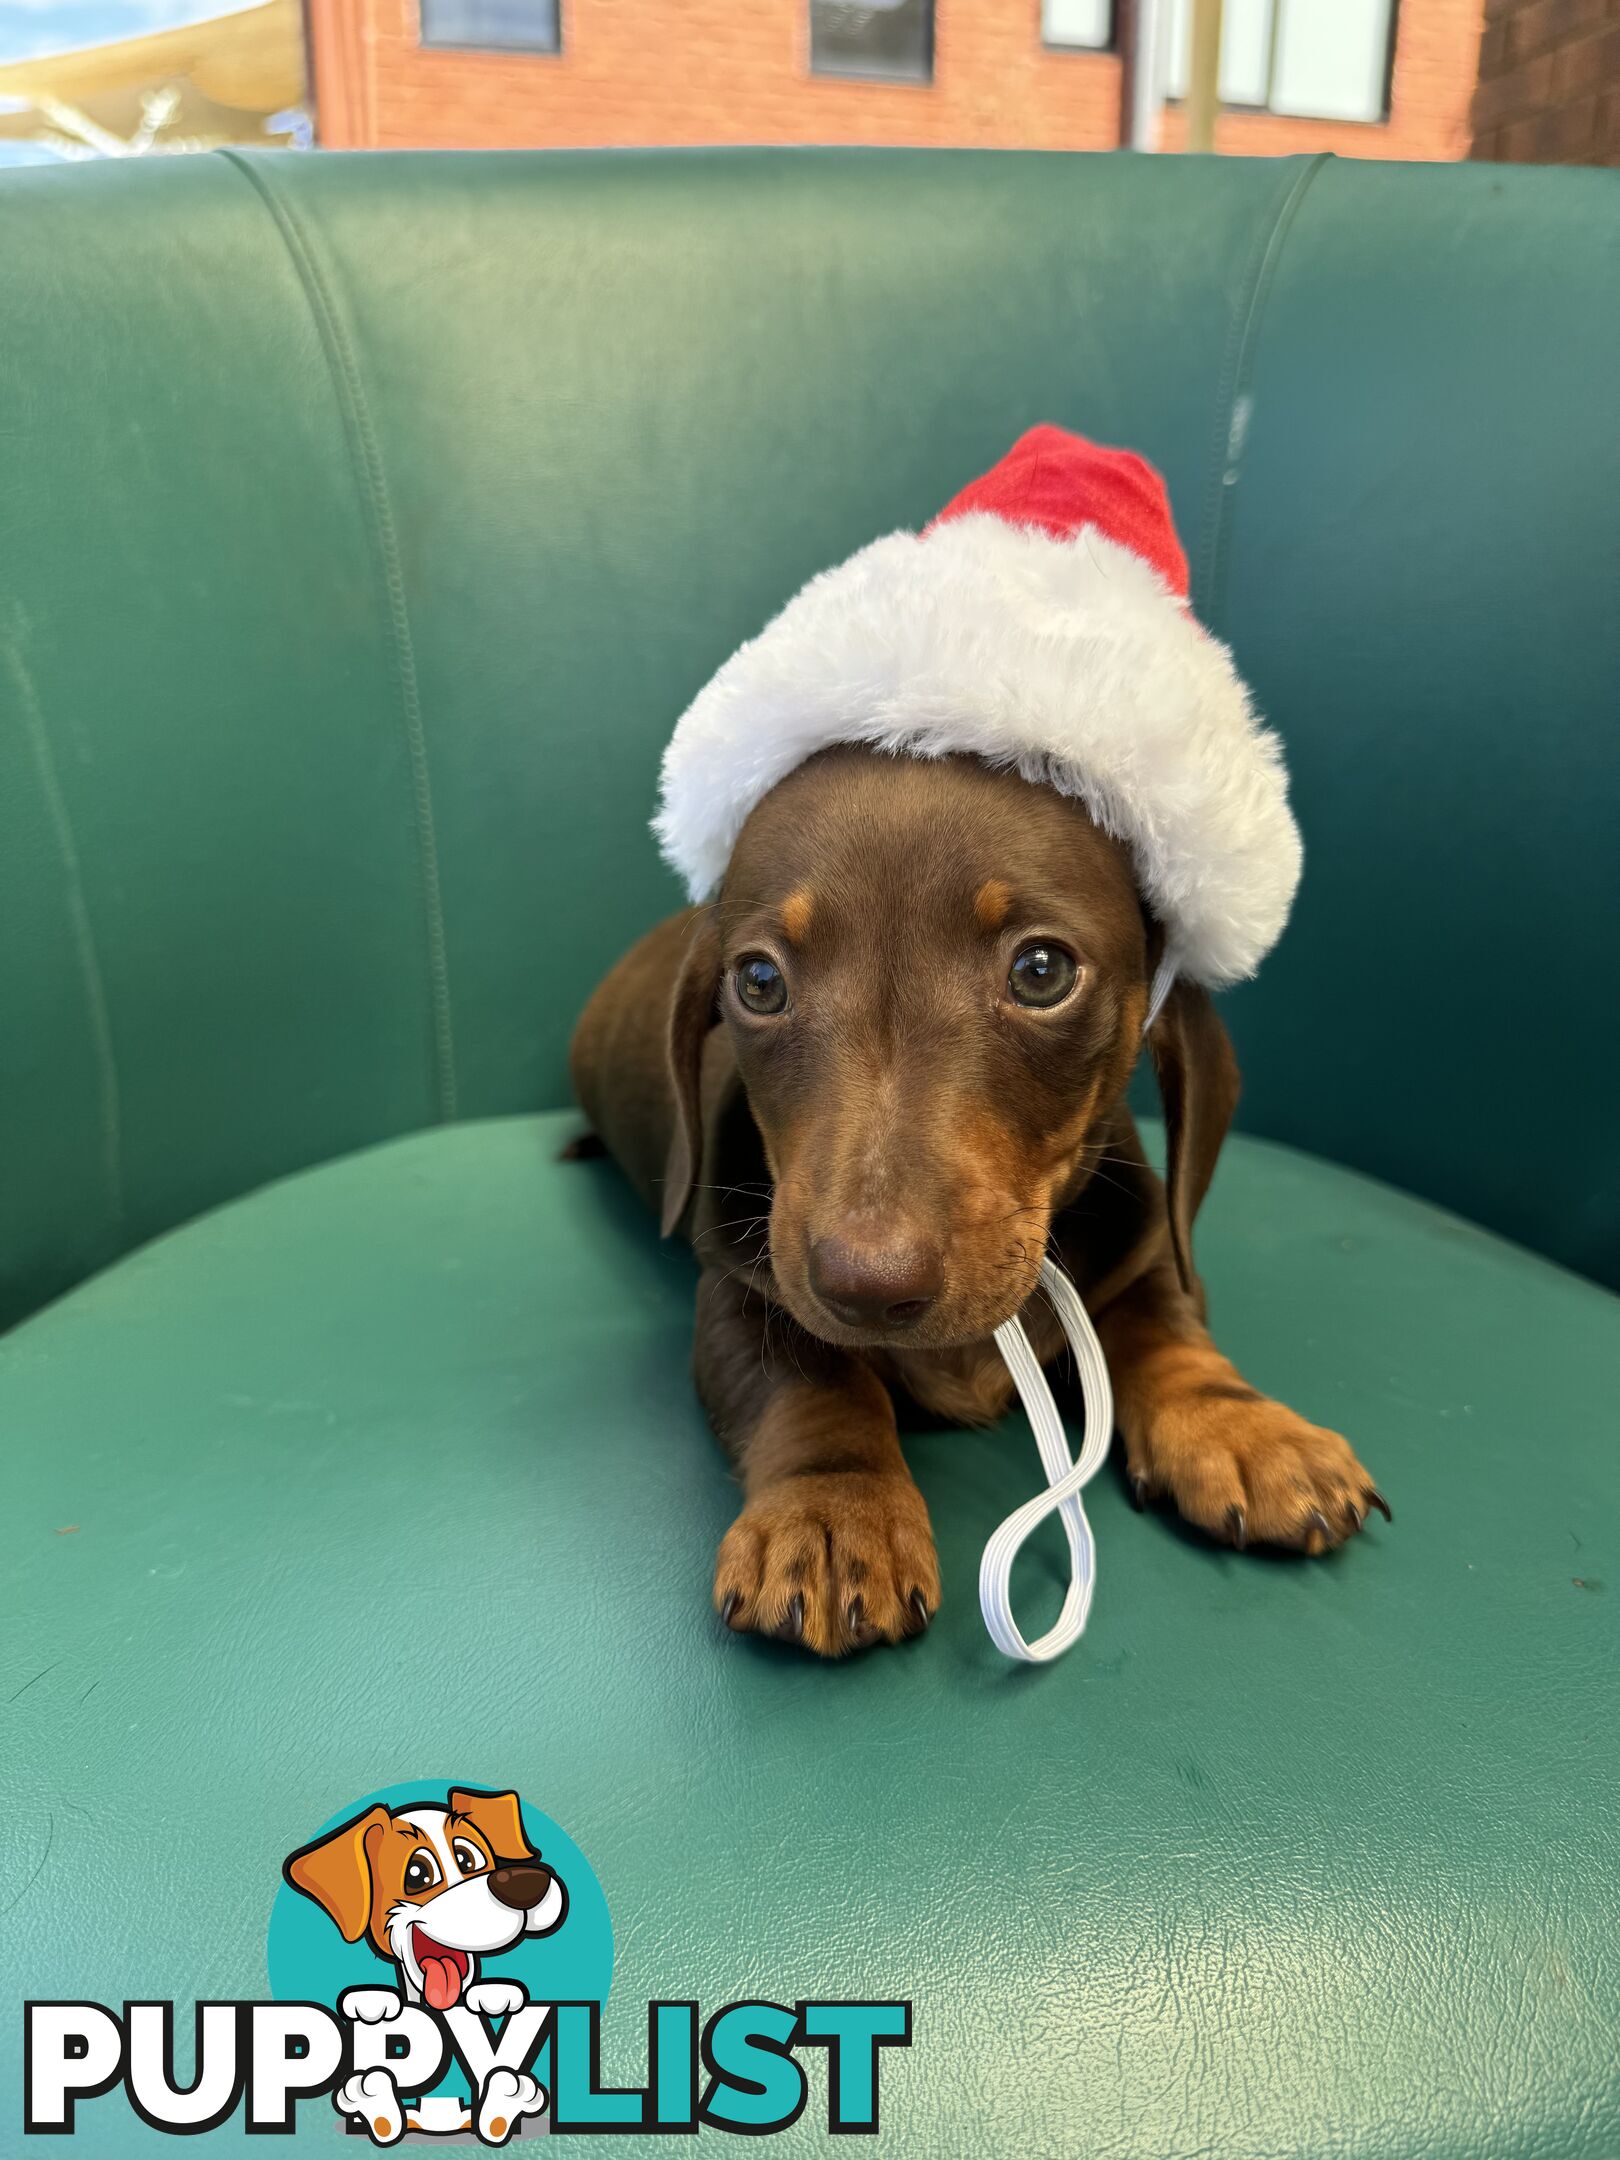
(1041, 623)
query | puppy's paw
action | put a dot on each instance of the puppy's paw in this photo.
(836, 1561)
(508, 2096)
(372, 2095)
(368, 2005)
(1252, 1472)
(496, 1998)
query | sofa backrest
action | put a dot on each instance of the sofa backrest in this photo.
(366, 521)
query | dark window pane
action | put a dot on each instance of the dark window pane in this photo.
(891, 38)
(492, 25)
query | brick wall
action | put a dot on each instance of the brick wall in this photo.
(1549, 82)
(737, 71)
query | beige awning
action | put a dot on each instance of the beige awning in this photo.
(230, 71)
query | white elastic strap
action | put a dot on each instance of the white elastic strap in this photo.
(1164, 981)
(1065, 1476)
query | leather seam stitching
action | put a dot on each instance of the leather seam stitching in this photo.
(372, 482)
(84, 938)
(1232, 397)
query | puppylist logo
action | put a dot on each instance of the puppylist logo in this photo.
(439, 1957)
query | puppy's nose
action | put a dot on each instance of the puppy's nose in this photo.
(876, 1285)
(520, 1885)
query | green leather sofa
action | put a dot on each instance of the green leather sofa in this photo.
(364, 523)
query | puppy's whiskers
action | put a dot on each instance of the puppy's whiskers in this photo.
(745, 1227)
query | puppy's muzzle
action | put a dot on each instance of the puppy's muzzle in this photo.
(520, 1887)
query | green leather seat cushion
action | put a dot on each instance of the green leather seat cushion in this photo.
(393, 1470)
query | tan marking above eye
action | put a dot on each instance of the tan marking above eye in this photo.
(797, 909)
(992, 903)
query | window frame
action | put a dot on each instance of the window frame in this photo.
(891, 77)
(424, 43)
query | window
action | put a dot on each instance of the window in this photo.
(892, 40)
(493, 25)
(1302, 57)
(1078, 25)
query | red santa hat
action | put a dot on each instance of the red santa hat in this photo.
(1041, 623)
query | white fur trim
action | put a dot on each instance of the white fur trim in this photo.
(1068, 661)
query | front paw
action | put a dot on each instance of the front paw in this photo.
(496, 1998)
(835, 1561)
(508, 2096)
(368, 2005)
(1252, 1472)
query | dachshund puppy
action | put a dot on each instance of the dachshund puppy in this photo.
(873, 1081)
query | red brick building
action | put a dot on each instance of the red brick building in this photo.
(1549, 82)
(1366, 78)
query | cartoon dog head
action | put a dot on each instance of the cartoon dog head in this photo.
(433, 1888)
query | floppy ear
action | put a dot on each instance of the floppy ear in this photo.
(1198, 1083)
(498, 1819)
(336, 1872)
(691, 1015)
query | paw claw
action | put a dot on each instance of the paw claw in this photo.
(1249, 1471)
(829, 1562)
(1376, 1499)
(920, 1615)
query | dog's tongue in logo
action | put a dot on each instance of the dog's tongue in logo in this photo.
(443, 1971)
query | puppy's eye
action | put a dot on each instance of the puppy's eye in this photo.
(421, 1870)
(468, 1858)
(1042, 975)
(761, 984)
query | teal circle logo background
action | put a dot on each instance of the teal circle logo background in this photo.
(310, 1962)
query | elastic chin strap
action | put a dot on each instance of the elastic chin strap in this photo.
(1164, 981)
(1066, 1475)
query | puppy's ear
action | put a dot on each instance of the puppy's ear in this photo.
(336, 1872)
(1198, 1083)
(498, 1819)
(692, 1014)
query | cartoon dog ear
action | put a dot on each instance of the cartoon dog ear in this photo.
(498, 1819)
(336, 1872)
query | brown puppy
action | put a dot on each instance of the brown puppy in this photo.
(873, 1081)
